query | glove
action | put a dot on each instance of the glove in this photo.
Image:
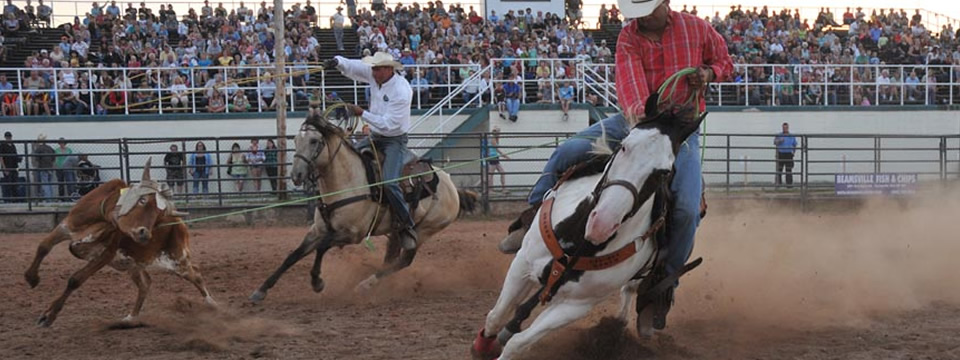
(331, 63)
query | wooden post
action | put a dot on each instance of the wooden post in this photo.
(280, 96)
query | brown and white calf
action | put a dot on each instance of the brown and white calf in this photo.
(129, 228)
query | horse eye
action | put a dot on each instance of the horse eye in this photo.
(313, 141)
(142, 201)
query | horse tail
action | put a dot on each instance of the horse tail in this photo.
(468, 200)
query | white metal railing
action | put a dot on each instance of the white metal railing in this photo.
(751, 85)
(829, 85)
(469, 100)
(123, 98)
(600, 81)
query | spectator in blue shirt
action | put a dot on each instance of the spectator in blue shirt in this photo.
(566, 97)
(786, 145)
(512, 91)
(113, 10)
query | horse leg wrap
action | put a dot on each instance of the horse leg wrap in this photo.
(504, 336)
(484, 347)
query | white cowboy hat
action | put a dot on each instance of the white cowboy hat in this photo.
(382, 59)
(633, 9)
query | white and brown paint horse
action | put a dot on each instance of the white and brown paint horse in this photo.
(595, 216)
(129, 228)
(323, 152)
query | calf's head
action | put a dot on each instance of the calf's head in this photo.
(141, 206)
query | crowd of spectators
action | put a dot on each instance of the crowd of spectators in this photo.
(872, 44)
(133, 38)
(455, 41)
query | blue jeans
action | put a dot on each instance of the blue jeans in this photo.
(201, 178)
(393, 149)
(513, 106)
(687, 182)
(45, 180)
(576, 150)
(68, 180)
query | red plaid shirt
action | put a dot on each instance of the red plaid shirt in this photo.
(643, 65)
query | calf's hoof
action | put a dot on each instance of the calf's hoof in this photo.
(32, 279)
(45, 320)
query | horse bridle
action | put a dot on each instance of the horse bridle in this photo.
(639, 196)
(311, 161)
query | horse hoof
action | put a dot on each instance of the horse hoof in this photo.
(213, 303)
(317, 284)
(367, 284)
(45, 321)
(128, 319)
(32, 279)
(258, 296)
(645, 323)
(484, 348)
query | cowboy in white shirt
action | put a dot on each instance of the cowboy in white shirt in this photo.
(389, 118)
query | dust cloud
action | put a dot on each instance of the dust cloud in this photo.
(774, 265)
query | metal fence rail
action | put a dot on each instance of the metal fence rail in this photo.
(732, 163)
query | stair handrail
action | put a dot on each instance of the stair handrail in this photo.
(610, 97)
(438, 107)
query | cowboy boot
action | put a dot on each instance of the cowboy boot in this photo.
(517, 230)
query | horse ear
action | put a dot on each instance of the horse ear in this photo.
(650, 108)
(146, 171)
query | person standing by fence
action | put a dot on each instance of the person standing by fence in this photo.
(786, 145)
(270, 164)
(66, 163)
(200, 162)
(173, 162)
(237, 166)
(10, 163)
(255, 159)
(43, 162)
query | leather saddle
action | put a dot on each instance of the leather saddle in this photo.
(419, 180)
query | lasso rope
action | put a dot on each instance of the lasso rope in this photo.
(363, 187)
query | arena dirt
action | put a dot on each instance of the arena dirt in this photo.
(875, 283)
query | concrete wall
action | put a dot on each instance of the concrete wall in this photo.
(524, 167)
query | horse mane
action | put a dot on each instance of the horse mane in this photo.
(315, 119)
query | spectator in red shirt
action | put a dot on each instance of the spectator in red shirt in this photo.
(657, 43)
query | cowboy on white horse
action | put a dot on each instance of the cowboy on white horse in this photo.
(656, 43)
(389, 118)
